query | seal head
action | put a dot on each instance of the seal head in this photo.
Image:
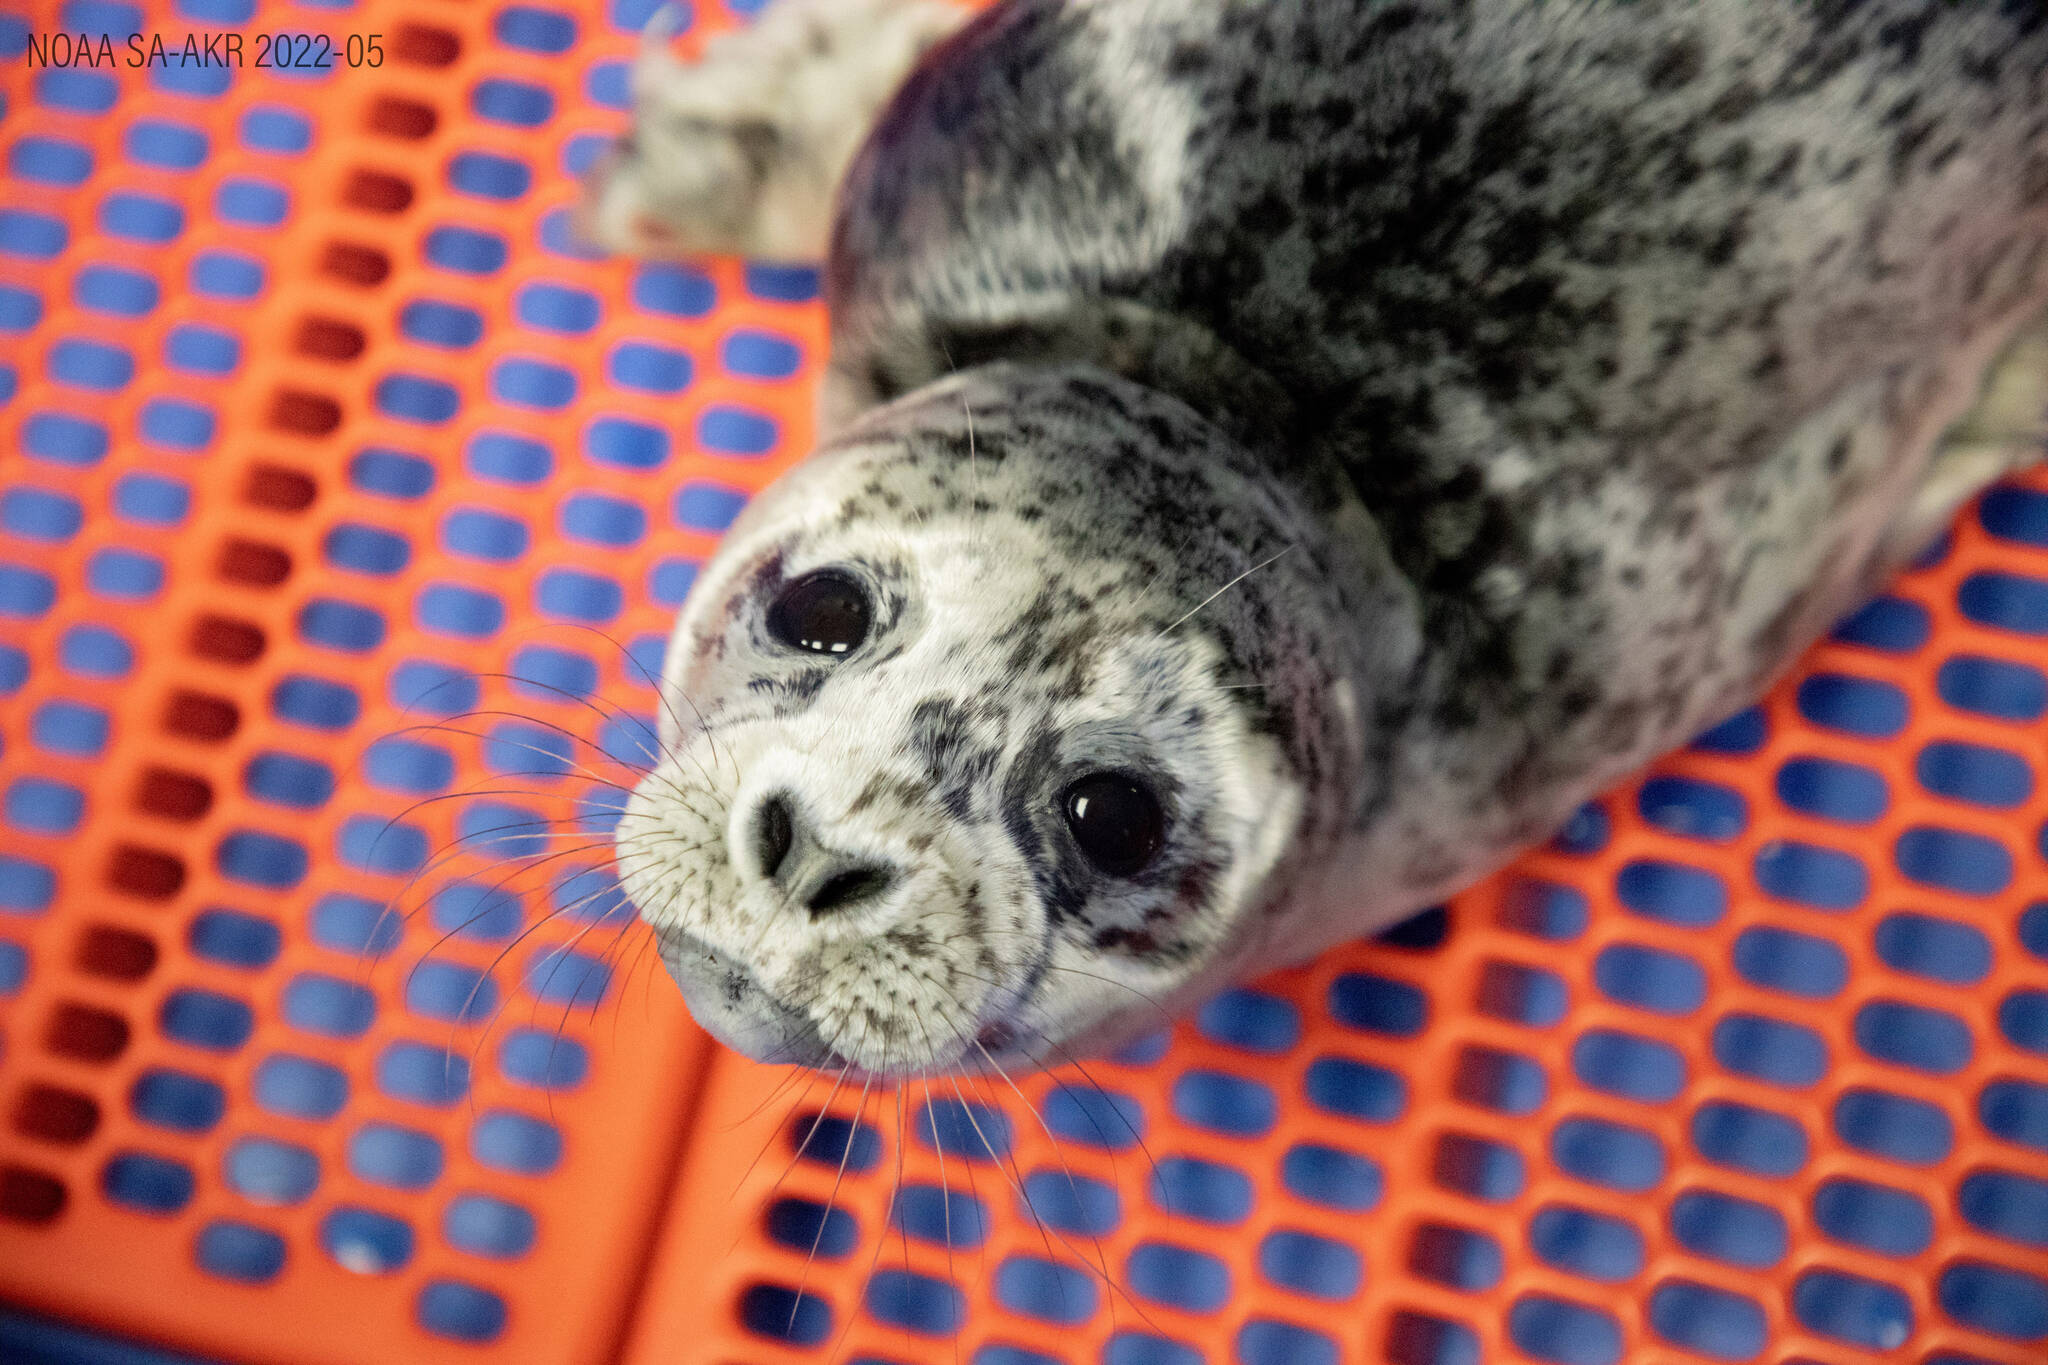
(973, 746)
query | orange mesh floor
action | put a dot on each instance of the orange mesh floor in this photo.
(343, 502)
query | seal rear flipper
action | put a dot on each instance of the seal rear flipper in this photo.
(743, 150)
(2006, 430)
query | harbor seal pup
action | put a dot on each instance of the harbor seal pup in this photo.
(1282, 456)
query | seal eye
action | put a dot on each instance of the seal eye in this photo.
(1116, 821)
(823, 612)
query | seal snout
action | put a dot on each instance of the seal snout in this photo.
(790, 852)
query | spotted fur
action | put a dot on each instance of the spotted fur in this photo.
(1380, 423)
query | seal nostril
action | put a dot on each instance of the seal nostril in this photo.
(850, 887)
(774, 832)
(804, 871)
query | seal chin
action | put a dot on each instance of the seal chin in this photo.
(728, 1003)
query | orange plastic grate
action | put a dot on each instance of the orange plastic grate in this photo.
(312, 413)
(315, 423)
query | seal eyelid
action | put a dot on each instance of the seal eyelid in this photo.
(822, 612)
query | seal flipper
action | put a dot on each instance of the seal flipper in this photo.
(743, 150)
(2005, 430)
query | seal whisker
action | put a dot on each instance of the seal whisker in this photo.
(536, 831)
(637, 958)
(790, 1074)
(946, 1201)
(1151, 1164)
(831, 1202)
(775, 1092)
(1225, 588)
(808, 1076)
(654, 682)
(596, 842)
(597, 703)
(788, 1123)
(838, 1080)
(390, 909)
(945, 1189)
(447, 725)
(774, 1191)
(896, 1194)
(526, 862)
(570, 764)
(468, 793)
(931, 1120)
(520, 869)
(561, 954)
(1014, 1175)
(490, 971)
(973, 457)
(461, 1015)
(890, 1214)
(609, 711)
(1166, 1016)
(1073, 1187)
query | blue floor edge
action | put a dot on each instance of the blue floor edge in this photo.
(30, 1339)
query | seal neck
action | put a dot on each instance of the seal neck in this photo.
(1163, 351)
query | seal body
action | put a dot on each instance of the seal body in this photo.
(1364, 428)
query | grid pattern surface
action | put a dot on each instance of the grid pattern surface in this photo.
(336, 480)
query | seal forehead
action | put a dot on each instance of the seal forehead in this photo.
(1046, 521)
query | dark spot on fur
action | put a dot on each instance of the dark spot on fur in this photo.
(1735, 103)
(1783, 169)
(1676, 65)
(2034, 180)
